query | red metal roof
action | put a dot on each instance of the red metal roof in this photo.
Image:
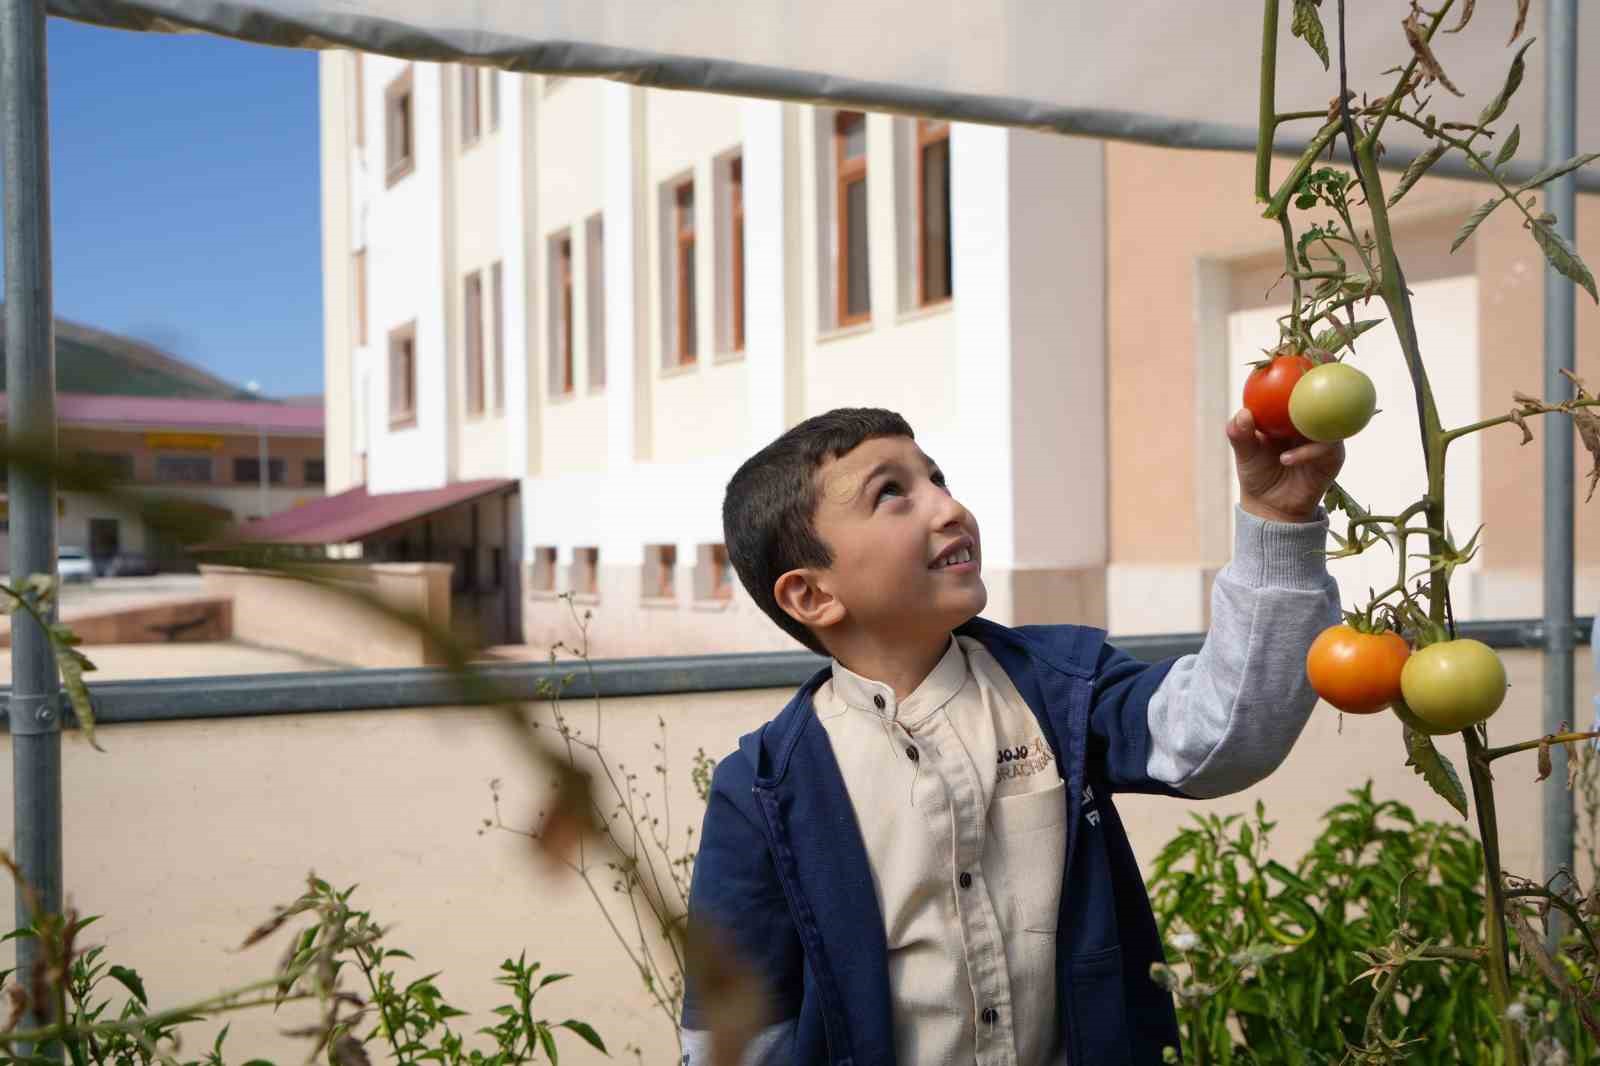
(84, 409)
(356, 514)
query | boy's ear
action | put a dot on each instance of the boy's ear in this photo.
(805, 600)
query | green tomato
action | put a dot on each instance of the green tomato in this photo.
(1331, 402)
(1452, 685)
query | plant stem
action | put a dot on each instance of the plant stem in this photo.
(1396, 298)
(1491, 754)
(1308, 158)
(1267, 119)
(1563, 408)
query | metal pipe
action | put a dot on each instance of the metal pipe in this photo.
(335, 691)
(1560, 197)
(35, 719)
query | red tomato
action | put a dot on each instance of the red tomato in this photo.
(1359, 673)
(1266, 394)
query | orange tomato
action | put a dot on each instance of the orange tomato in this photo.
(1357, 672)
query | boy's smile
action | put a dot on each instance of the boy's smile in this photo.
(907, 556)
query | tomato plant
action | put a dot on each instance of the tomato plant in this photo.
(1332, 402)
(1267, 391)
(1357, 672)
(1454, 684)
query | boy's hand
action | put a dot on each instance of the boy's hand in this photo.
(1281, 482)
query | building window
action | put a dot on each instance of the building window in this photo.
(497, 331)
(247, 471)
(494, 100)
(316, 472)
(730, 254)
(185, 469)
(544, 569)
(399, 106)
(497, 569)
(586, 571)
(933, 213)
(852, 279)
(594, 269)
(403, 377)
(561, 340)
(113, 466)
(713, 579)
(358, 295)
(660, 572)
(473, 337)
(471, 122)
(679, 347)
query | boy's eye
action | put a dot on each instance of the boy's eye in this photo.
(888, 488)
(938, 479)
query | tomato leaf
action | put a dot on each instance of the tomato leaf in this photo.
(1420, 47)
(1476, 220)
(1497, 107)
(1551, 173)
(1509, 149)
(1343, 336)
(1466, 17)
(1419, 166)
(1562, 256)
(1522, 20)
(1435, 769)
(1307, 25)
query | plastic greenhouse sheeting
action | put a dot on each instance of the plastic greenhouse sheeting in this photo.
(1175, 72)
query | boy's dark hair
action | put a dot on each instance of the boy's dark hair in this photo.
(769, 511)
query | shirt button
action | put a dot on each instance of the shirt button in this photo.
(877, 701)
(990, 1015)
(966, 880)
(912, 753)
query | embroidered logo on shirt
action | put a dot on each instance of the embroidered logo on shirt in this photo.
(1023, 760)
(1091, 815)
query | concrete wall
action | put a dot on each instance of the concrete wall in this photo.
(185, 835)
(274, 611)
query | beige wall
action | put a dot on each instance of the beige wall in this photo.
(1158, 233)
(281, 612)
(182, 862)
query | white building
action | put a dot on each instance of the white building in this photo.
(613, 296)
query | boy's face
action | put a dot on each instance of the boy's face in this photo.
(906, 555)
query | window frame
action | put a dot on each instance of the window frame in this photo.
(472, 338)
(497, 331)
(926, 134)
(594, 269)
(736, 293)
(168, 457)
(400, 103)
(403, 416)
(847, 171)
(358, 283)
(321, 466)
(586, 564)
(358, 92)
(683, 259)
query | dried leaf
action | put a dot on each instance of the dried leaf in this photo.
(733, 994)
(1473, 222)
(1522, 424)
(1522, 21)
(1575, 758)
(1466, 16)
(1434, 768)
(1424, 53)
(1545, 767)
(347, 1051)
(1307, 25)
(1588, 426)
(1509, 149)
(1419, 166)
(1497, 107)
(1561, 255)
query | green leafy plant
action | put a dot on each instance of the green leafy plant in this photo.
(73, 988)
(1351, 956)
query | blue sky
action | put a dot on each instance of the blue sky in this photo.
(186, 199)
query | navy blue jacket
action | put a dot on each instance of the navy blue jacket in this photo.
(782, 871)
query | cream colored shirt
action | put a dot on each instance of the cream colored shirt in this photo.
(962, 812)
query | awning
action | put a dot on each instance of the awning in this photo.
(356, 514)
(1182, 74)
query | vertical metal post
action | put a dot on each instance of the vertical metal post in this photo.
(31, 424)
(1560, 197)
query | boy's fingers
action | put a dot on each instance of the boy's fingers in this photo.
(1242, 434)
(1309, 453)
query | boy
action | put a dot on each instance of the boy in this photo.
(909, 897)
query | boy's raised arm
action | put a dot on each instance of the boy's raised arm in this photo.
(1220, 720)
